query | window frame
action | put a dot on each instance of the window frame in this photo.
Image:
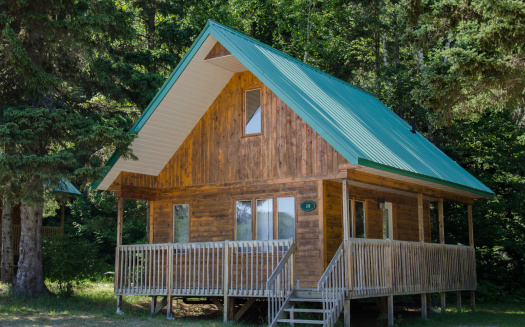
(253, 199)
(244, 123)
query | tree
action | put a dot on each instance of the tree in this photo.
(7, 265)
(493, 149)
(474, 54)
(54, 124)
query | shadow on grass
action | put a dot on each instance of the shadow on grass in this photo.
(94, 304)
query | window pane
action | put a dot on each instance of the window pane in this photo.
(244, 220)
(252, 111)
(265, 219)
(285, 218)
(359, 219)
(181, 214)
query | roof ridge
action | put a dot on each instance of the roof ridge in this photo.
(357, 88)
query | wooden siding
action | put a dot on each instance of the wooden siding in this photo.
(212, 218)
(333, 218)
(216, 151)
(217, 51)
(404, 216)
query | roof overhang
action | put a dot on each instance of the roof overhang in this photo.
(173, 113)
(196, 83)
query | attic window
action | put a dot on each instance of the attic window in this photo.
(252, 111)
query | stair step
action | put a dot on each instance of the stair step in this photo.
(304, 310)
(301, 321)
(305, 299)
(311, 293)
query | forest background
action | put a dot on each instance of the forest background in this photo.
(76, 74)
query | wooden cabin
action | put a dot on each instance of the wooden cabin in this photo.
(47, 231)
(268, 178)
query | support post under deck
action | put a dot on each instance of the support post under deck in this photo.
(390, 304)
(347, 313)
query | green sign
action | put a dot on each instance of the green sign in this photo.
(308, 205)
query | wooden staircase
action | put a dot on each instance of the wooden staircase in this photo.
(327, 300)
(293, 313)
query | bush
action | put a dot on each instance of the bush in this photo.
(67, 260)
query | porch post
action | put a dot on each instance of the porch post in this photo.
(442, 241)
(62, 211)
(346, 220)
(120, 218)
(421, 228)
(471, 243)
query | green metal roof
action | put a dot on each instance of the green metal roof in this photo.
(66, 187)
(354, 122)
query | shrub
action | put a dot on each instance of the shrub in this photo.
(67, 260)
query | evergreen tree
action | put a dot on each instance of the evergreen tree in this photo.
(54, 124)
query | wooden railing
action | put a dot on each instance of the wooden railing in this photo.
(17, 231)
(50, 231)
(280, 286)
(384, 267)
(333, 286)
(232, 268)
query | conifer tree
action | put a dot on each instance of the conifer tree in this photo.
(54, 123)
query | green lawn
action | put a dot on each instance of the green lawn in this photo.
(94, 304)
(487, 314)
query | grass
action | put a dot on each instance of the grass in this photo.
(487, 314)
(93, 304)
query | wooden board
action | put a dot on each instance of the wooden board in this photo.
(212, 218)
(216, 151)
(217, 51)
(333, 218)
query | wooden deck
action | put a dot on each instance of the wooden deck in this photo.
(214, 269)
(383, 267)
(372, 268)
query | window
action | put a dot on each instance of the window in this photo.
(357, 219)
(265, 219)
(181, 223)
(268, 224)
(243, 213)
(387, 220)
(285, 217)
(252, 111)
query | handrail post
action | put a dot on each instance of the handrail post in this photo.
(225, 280)
(292, 268)
(169, 281)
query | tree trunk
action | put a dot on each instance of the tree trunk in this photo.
(29, 280)
(7, 269)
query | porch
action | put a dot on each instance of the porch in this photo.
(361, 268)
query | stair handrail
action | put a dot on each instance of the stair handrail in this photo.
(280, 285)
(333, 286)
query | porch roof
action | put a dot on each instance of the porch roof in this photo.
(361, 128)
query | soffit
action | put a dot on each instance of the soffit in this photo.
(176, 115)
